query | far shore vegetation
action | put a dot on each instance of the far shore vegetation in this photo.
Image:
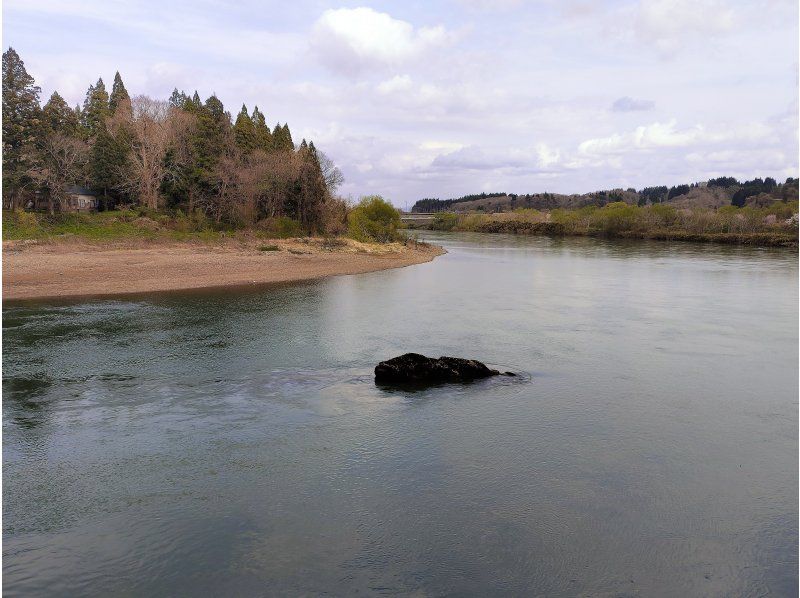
(723, 209)
(774, 225)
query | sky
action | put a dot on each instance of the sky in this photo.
(444, 98)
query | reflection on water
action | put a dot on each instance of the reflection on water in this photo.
(235, 443)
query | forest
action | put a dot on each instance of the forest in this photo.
(715, 193)
(182, 155)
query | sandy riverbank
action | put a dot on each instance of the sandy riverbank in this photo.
(50, 270)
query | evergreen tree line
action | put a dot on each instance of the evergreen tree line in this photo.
(434, 204)
(183, 153)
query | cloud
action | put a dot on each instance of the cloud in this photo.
(669, 25)
(349, 40)
(538, 159)
(628, 104)
(667, 135)
(396, 83)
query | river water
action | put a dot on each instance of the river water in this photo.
(234, 444)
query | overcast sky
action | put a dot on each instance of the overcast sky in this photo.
(438, 99)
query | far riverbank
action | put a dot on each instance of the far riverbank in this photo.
(33, 270)
(771, 226)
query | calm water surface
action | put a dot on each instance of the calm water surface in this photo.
(234, 444)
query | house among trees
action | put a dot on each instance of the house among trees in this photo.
(76, 199)
(80, 199)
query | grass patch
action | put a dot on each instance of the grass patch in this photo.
(269, 248)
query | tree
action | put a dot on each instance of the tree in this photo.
(330, 172)
(178, 99)
(95, 108)
(282, 138)
(244, 132)
(21, 114)
(118, 93)
(287, 138)
(63, 159)
(263, 134)
(58, 117)
(313, 191)
(374, 219)
(154, 125)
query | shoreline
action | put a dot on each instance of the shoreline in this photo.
(49, 271)
(547, 229)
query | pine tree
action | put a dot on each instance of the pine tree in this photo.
(118, 93)
(95, 108)
(303, 145)
(244, 132)
(313, 191)
(178, 99)
(21, 119)
(58, 117)
(277, 137)
(109, 155)
(287, 138)
(263, 134)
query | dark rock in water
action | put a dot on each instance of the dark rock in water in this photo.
(413, 368)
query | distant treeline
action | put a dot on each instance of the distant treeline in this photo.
(180, 154)
(434, 204)
(738, 193)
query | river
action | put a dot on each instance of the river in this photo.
(222, 443)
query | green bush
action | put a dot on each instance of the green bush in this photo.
(615, 217)
(444, 221)
(374, 220)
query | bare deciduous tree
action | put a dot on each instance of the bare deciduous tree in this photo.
(63, 158)
(155, 125)
(330, 172)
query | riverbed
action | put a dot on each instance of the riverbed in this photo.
(234, 442)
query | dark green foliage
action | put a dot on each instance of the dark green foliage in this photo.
(441, 205)
(677, 191)
(263, 134)
(95, 108)
(108, 160)
(118, 94)
(752, 188)
(58, 117)
(313, 191)
(282, 138)
(654, 194)
(178, 99)
(244, 132)
(21, 120)
(723, 181)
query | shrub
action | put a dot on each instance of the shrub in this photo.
(281, 228)
(615, 217)
(444, 221)
(374, 219)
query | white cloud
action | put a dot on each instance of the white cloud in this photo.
(396, 83)
(667, 135)
(348, 40)
(670, 24)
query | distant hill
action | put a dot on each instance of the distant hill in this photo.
(714, 193)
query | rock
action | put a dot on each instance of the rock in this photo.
(413, 368)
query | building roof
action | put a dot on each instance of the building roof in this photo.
(75, 190)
